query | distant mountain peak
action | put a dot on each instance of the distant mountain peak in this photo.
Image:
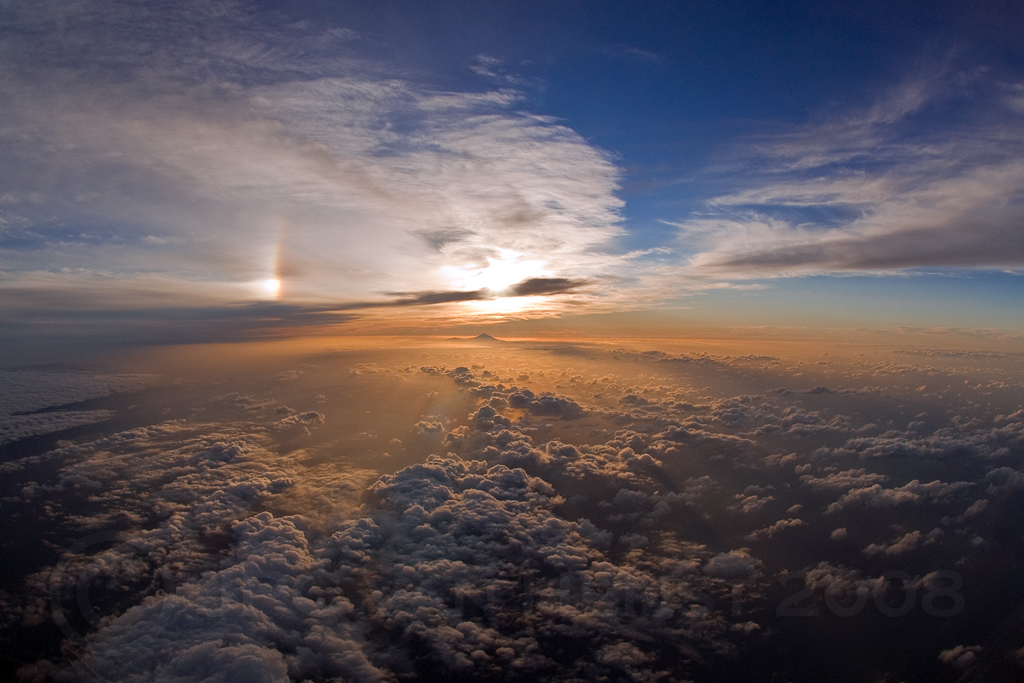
(484, 337)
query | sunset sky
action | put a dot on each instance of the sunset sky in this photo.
(194, 171)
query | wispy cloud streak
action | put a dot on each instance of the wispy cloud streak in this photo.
(929, 176)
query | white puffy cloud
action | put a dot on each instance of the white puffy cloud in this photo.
(169, 490)
(850, 479)
(735, 564)
(239, 621)
(961, 656)
(775, 529)
(900, 546)
(749, 504)
(961, 438)
(838, 579)
(876, 496)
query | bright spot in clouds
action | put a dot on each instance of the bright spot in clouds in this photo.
(272, 286)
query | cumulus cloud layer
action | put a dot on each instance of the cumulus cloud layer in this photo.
(607, 519)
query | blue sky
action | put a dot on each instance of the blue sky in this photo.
(422, 164)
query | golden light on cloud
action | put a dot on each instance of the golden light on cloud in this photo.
(504, 308)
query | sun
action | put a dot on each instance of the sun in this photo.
(500, 273)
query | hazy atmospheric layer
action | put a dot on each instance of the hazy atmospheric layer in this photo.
(521, 510)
